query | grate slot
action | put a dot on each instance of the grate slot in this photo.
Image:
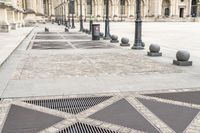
(85, 128)
(72, 105)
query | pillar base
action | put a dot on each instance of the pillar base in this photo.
(30, 20)
(106, 38)
(182, 63)
(13, 26)
(154, 54)
(138, 47)
(5, 28)
(19, 25)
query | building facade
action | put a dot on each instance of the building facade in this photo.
(124, 10)
(18, 13)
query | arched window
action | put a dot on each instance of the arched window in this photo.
(194, 8)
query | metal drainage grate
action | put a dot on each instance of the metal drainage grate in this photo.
(72, 105)
(77, 37)
(72, 33)
(48, 37)
(91, 44)
(47, 33)
(85, 128)
(50, 45)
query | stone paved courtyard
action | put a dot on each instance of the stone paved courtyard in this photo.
(112, 89)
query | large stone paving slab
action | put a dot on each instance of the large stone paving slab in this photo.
(177, 117)
(24, 120)
(42, 66)
(192, 97)
(122, 113)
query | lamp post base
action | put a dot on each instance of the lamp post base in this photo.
(106, 38)
(137, 47)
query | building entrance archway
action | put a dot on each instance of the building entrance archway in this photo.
(166, 10)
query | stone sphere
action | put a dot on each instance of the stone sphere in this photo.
(183, 55)
(125, 40)
(154, 48)
(114, 37)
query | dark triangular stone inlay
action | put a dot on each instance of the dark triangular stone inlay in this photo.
(24, 120)
(124, 114)
(192, 97)
(177, 117)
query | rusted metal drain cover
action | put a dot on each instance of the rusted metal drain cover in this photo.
(177, 117)
(71, 105)
(50, 45)
(24, 120)
(192, 97)
(124, 114)
(85, 128)
(91, 44)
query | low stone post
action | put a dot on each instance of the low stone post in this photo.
(182, 57)
(114, 39)
(124, 42)
(154, 50)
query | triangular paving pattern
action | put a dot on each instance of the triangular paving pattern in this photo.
(24, 120)
(70, 105)
(124, 114)
(188, 97)
(177, 117)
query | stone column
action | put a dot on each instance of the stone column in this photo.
(11, 19)
(30, 17)
(189, 7)
(17, 18)
(198, 9)
(4, 25)
(39, 13)
(22, 18)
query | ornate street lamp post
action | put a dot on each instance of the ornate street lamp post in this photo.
(69, 25)
(72, 10)
(65, 13)
(107, 28)
(91, 21)
(138, 27)
(81, 16)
